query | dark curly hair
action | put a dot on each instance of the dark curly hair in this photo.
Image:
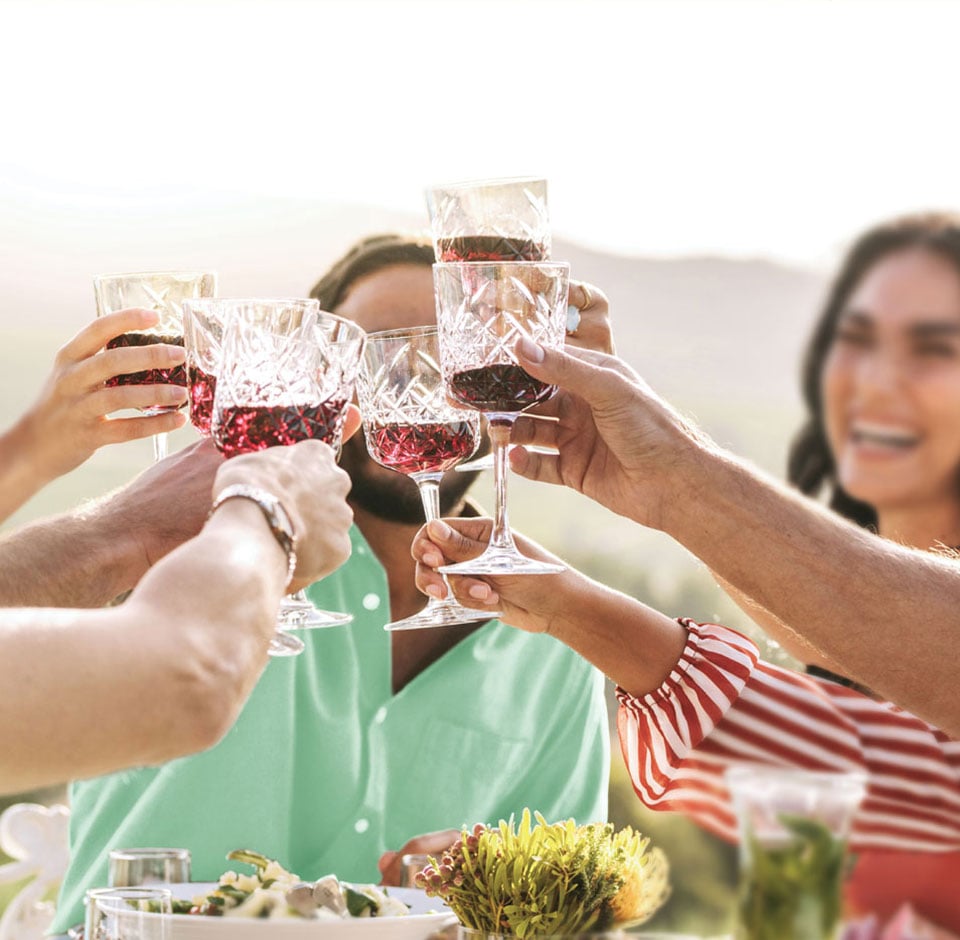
(810, 465)
(366, 256)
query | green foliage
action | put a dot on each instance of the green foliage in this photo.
(792, 891)
(548, 879)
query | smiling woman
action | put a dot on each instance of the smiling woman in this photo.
(882, 385)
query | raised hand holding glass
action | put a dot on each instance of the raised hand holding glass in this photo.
(483, 309)
(164, 292)
(287, 372)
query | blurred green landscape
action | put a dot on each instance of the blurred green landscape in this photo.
(719, 338)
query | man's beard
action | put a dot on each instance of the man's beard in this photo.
(393, 496)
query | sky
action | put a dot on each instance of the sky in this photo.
(774, 128)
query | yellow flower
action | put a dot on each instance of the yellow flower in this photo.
(645, 887)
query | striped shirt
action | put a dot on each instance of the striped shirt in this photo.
(722, 705)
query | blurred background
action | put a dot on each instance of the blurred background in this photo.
(708, 161)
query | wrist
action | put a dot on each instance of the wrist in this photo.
(273, 513)
(239, 519)
(22, 469)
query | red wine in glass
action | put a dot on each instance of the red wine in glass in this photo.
(490, 248)
(423, 448)
(202, 387)
(247, 428)
(498, 388)
(175, 375)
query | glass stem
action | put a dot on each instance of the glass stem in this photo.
(429, 486)
(159, 446)
(499, 428)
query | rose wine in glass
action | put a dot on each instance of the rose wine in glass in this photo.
(164, 292)
(285, 374)
(483, 309)
(411, 427)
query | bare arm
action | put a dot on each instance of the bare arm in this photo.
(798, 647)
(165, 674)
(87, 557)
(886, 615)
(635, 645)
(70, 418)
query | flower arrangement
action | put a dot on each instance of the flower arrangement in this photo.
(548, 880)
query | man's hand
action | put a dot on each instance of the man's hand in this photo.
(313, 490)
(433, 843)
(617, 442)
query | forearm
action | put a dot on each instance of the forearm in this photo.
(634, 645)
(73, 560)
(884, 614)
(20, 476)
(165, 674)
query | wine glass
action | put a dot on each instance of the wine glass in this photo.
(128, 914)
(286, 374)
(483, 309)
(204, 321)
(411, 427)
(131, 868)
(164, 292)
(490, 220)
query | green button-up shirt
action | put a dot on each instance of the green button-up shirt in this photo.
(326, 768)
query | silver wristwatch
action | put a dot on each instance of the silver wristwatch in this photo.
(277, 517)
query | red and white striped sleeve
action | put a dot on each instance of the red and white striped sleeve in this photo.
(722, 705)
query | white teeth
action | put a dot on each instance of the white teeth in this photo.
(884, 434)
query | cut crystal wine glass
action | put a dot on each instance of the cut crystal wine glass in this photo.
(490, 220)
(483, 309)
(164, 292)
(286, 374)
(411, 427)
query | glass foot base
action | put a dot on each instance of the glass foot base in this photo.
(442, 614)
(282, 644)
(296, 615)
(502, 561)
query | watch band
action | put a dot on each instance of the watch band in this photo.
(277, 517)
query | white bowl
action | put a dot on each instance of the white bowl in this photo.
(417, 925)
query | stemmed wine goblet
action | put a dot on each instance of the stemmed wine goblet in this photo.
(164, 292)
(483, 309)
(411, 427)
(286, 374)
(204, 322)
(490, 220)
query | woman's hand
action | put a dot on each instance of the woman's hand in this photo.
(532, 604)
(593, 329)
(633, 644)
(69, 420)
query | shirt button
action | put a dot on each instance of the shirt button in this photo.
(381, 715)
(361, 826)
(371, 601)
